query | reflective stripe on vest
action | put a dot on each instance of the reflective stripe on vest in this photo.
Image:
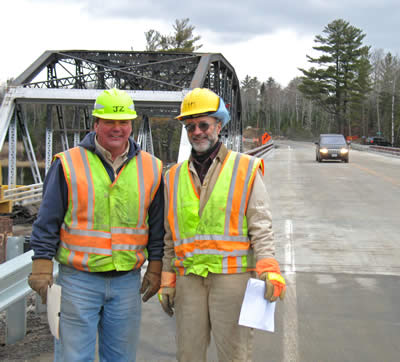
(105, 226)
(218, 241)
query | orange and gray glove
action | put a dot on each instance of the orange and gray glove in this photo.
(151, 280)
(41, 277)
(166, 294)
(275, 285)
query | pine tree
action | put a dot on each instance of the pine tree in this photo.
(334, 81)
(183, 39)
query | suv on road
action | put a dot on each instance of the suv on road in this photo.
(377, 141)
(332, 147)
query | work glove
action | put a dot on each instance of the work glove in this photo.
(151, 280)
(41, 277)
(166, 294)
(275, 285)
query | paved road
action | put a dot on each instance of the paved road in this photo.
(337, 233)
(337, 236)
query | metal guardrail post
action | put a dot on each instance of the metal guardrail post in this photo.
(16, 313)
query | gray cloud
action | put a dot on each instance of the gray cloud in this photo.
(235, 20)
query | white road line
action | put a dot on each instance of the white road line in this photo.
(290, 322)
(289, 250)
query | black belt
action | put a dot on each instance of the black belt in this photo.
(112, 273)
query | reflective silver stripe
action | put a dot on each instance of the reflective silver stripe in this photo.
(90, 191)
(216, 252)
(225, 265)
(231, 193)
(93, 233)
(128, 231)
(70, 256)
(127, 247)
(175, 202)
(240, 239)
(140, 256)
(86, 249)
(139, 164)
(185, 241)
(104, 234)
(74, 186)
(239, 264)
(244, 193)
(156, 174)
(85, 262)
(98, 106)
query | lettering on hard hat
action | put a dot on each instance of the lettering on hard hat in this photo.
(118, 108)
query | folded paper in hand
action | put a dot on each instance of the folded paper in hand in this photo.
(256, 311)
(53, 308)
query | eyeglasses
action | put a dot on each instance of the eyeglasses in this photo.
(204, 126)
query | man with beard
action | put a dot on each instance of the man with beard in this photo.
(218, 235)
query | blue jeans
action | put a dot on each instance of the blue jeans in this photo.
(91, 304)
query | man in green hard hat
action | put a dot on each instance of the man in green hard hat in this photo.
(101, 218)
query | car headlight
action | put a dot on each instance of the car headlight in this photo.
(343, 151)
(323, 150)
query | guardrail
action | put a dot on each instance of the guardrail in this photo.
(394, 151)
(390, 150)
(260, 151)
(25, 195)
(14, 288)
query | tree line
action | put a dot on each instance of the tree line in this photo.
(348, 89)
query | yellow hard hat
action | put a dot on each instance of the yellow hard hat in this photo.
(203, 101)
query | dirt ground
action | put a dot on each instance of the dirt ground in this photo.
(38, 339)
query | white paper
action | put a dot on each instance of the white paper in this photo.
(256, 311)
(53, 308)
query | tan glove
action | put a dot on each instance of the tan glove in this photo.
(151, 280)
(41, 277)
(166, 294)
(275, 286)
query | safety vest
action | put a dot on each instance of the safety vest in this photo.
(105, 226)
(218, 241)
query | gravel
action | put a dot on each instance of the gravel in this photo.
(37, 342)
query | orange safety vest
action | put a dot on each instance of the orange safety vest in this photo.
(218, 241)
(105, 226)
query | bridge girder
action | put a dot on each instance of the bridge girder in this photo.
(61, 74)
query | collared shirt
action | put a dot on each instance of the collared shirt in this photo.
(202, 167)
(119, 160)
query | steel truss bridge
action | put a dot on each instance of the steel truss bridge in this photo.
(156, 81)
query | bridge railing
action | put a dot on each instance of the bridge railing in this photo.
(261, 150)
(394, 151)
(14, 288)
(25, 195)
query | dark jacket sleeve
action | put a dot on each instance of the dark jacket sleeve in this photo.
(45, 236)
(155, 246)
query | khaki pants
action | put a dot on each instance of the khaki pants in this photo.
(212, 304)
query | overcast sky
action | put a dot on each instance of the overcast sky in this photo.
(259, 38)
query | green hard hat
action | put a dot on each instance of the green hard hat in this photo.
(114, 104)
